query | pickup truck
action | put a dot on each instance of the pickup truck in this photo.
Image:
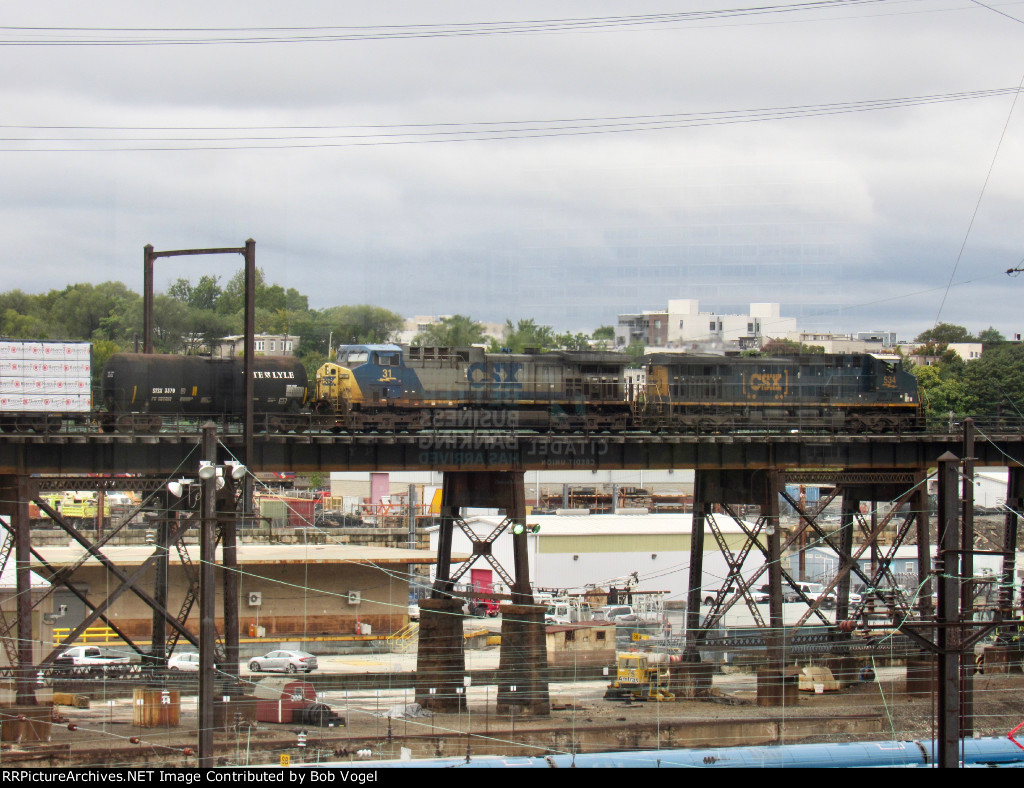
(87, 661)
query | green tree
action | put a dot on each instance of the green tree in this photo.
(203, 295)
(80, 310)
(942, 395)
(943, 334)
(570, 341)
(454, 331)
(996, 382)
(605, 332)
(636, 351)
(361, 324)
(523, 335)
(990, 336)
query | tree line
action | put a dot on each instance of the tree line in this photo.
(991, 386)
(193, 316)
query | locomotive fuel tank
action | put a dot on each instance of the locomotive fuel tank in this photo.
(199, 385)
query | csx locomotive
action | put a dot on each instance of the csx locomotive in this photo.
(388, 388)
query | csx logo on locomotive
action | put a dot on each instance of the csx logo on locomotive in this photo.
(773, 383)
(501, 373)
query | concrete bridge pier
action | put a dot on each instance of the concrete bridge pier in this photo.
(440, 660)
(441, 656)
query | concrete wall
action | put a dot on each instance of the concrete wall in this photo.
(296, 598)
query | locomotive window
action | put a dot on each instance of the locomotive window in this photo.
(357, 357)
(388, 359)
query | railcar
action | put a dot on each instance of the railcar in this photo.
(851, 393)
(387, 387)
(138, 390)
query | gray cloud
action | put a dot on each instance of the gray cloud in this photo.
(852, 221)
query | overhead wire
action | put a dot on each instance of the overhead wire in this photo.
(471, 131)
(191, 36)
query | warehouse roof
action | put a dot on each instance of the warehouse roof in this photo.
(249, 553)
(610, 524)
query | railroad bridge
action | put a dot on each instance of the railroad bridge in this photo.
(486, 469)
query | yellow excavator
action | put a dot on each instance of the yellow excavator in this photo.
(639, 677)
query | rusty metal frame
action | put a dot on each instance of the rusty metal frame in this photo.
(128, 582)
(482, 549)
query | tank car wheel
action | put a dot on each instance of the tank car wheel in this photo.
(274, 424)
(23, 425)
(154, 424)
(124, 423)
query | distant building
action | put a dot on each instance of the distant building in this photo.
(266, 345)
(968, 351)
(683, 325)
(840, 343)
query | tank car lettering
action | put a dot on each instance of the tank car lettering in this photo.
(273, 375)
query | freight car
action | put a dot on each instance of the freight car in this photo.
(390, 388)
(845, 393)
(44, 384)
(138, 391)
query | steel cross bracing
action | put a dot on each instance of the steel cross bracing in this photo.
(482, 549)
(9, 645)
(735, 564)
(849, 562)
(128, 582)
(59, 577)
(718, 609)
(714, 616)
(785, 575)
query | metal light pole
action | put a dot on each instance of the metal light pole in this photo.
(207, 601)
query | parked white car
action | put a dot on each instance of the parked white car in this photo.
(187, 662)
(284, 661)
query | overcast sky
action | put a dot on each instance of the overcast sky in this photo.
(565, 161)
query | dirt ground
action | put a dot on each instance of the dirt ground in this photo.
(580, 721)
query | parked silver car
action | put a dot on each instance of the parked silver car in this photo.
(187, 662)
(284, 662)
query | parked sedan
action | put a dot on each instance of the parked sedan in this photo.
(284, 662)
(187, 662)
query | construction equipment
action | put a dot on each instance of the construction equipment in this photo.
(640, 677)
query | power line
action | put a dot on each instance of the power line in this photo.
(474, 131)
(191, 36)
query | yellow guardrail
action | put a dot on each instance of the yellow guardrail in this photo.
(401, 640)
(90, 635)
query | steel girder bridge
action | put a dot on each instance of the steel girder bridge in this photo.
(487, 469)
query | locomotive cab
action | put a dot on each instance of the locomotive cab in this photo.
(364, 375)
